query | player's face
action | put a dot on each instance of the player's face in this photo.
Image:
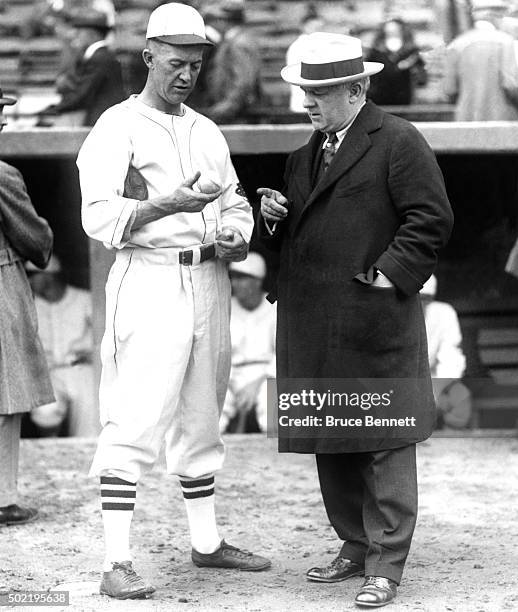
(173, 72)
(328, 107)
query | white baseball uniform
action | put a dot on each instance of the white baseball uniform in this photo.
(166, 349)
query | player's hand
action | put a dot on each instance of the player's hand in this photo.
(230, 245)
(185, 199)
(274, 206)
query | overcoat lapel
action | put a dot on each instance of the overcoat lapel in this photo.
(354, 146)
(303, 177)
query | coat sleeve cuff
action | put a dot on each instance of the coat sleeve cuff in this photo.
(402, 278)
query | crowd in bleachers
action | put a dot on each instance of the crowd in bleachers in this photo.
(253, 39)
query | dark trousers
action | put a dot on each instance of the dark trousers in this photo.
(371, 501)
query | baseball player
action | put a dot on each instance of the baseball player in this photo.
(166, 350)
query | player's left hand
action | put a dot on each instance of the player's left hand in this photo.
(230, 245)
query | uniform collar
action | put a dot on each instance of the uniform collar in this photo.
(158, 116)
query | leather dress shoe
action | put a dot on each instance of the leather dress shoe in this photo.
(123, 582)
(15, 515)
(375, 592)
(230, 557)
(339, 569)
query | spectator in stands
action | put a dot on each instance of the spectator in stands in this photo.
(65, 329)
(447, 361)
(252, 331)
(311, 22)
(481, 71)
(24, 378)
(395, 47)
(235, 77)
(200, 98)
(94, 82)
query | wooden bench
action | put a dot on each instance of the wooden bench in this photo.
(490, 342)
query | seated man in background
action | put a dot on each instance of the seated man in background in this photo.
(252, 331)
(93, 82)
(447, 361)
(65, 328)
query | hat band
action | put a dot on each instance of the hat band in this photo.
(331, 70)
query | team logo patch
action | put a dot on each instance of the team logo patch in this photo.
(241, 192)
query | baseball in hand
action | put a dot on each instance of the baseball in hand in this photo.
(207, 185)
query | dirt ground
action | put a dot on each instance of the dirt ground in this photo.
(464, 555)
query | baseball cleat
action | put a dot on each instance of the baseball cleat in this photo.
(230, 557)
(124, 583)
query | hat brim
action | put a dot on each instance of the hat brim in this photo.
(183, 39)
(7, 101)
(291, 74)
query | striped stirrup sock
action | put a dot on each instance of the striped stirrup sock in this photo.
(117, 494)
(117, 504)
(198, 495)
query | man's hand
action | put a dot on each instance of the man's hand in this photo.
(273, 204)
(382, 281)
(230, 245)
(185, 199)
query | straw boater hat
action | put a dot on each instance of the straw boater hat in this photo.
(329, 59)
(177, 24)
(4, 100)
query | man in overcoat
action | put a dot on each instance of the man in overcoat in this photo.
(94, 82)
(24, 378)
(358, 225)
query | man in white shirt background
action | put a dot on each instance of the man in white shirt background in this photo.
(446, 358)
(65, 328)
(252, 332)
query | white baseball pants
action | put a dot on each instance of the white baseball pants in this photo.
(166, 362)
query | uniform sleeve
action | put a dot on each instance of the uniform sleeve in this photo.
(103, 164)
(236, 211)
(418, 194)
(28, 233)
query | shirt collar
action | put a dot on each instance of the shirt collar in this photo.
(93, 48)
(340, 135)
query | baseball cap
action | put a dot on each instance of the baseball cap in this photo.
(253, 265)
(177, 24)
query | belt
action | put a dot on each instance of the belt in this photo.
(197, 254)
(8, 256)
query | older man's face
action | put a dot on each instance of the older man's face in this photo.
(174, 70)
(329, 108)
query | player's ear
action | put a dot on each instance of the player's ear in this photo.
(147, 56)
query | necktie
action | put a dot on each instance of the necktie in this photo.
(329, 150)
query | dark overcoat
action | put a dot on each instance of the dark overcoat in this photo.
(24, 377)
(93, 85)
(382, 204)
